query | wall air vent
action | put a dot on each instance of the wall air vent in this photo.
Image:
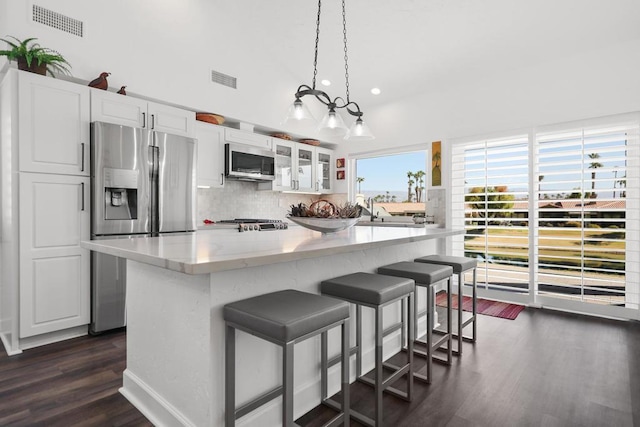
(57, 20)
(224, 79)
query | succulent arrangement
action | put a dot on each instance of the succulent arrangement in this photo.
(325, 209)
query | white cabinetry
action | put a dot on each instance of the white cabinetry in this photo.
(54, 269)
(249, 138)
(53, 126)
(111, 107)
(210, 155)
(45, 199)
(301, 167)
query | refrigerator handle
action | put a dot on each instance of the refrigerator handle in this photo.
(144, 120)
(154, 156)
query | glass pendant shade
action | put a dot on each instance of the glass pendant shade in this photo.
(332, 125)
(298, 113)
(359, 131)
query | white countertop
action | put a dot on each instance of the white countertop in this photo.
(208, 251)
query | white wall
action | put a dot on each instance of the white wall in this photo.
(600, 83)
(165, 50)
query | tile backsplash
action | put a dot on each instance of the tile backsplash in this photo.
(241, 199)
(436, 202)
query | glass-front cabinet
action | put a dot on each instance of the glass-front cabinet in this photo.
(324, 168)
(284, 165)
(301, 167)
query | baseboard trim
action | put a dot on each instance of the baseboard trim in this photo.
(52, 337)
(7, 347)
(152, 405)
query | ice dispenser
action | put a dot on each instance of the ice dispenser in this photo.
(120, 194)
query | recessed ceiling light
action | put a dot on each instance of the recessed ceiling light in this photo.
(375, 91)
(326, 82)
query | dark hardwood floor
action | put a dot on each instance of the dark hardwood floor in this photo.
(543, 369)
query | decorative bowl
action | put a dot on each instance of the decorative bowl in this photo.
(324, 225)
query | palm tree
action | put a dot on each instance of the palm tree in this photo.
(594, 165)
(410, 183)
(419, 176)
(359, 181)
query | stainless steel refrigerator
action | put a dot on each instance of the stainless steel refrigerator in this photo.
(143, 183)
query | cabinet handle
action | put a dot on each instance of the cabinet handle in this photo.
(82, 198)
(82, 157)
(221, 179)
(153, 121)
(144, 120)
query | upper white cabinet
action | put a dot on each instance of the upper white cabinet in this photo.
(301, 167)
(249, 138)
(210, 155)
(54, 269)
(53, 130)
(124, 110)
(324, 169)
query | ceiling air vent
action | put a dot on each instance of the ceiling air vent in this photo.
(57, 20)
(223, 79)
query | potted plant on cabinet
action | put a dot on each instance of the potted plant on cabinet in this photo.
(34, 58)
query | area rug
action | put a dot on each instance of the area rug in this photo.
(487, 307)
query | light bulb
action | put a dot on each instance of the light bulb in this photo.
(298, 113)
(332, 125)
(359, 132)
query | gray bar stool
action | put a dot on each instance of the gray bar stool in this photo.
(460, 266)
(427, 276)
(376, 291)
(284, 318)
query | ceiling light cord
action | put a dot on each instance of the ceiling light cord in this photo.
(332, 123)
(346, 57)
(315, 58)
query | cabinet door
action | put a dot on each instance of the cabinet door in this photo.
(114, 108)
(285, 162)
(53, 128)
(176, 121)
(210, 155)
(324, 170)
(305, 170)
(249, 138)
(54, 269)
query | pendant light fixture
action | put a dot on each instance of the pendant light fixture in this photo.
(332, 124)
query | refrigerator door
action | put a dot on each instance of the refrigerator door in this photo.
(108, 291)
(176, 194)
(120, 184)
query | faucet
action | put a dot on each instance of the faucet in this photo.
(373, 215)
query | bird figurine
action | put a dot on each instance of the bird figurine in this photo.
(100, 82)
(122, 91)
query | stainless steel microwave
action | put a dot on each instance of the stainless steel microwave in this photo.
(248, 163)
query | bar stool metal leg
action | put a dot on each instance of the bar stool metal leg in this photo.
(230, 376)
(287, 381)
(378, 366)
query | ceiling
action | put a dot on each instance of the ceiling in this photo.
(413, 46)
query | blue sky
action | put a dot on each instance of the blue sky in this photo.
(389, 173)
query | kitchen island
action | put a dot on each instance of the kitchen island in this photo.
(178, 284)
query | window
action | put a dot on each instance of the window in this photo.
(395, 182)
(554, 214)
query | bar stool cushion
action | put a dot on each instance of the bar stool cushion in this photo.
(286, 315)
(459, 263)
(368, 288)
(426, 274)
